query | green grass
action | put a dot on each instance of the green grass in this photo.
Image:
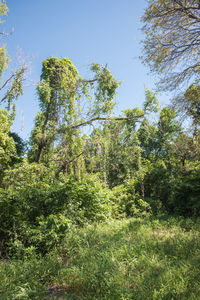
(124, 259)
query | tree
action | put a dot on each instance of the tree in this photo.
(10, 90)
(68, 102)
(7, 146)
(185, 150)
(171, 45)
(187, 105)
(3, 10)
(11, 87)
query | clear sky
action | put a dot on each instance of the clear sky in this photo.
(85, 31)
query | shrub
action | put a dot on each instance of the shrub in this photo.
(129, 202)
(37, 213)
(186, 194)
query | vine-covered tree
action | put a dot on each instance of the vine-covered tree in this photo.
(68, 102)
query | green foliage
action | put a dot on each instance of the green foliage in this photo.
(158, 186)
(3, 9)
(44, 236)
(151, 103)
(148, 137)
(192, 103)
(57, 91)
(167, 123)
(185, 200)
(12, 86)
(4, 60)
(62, 94)
(7, 146)
(15, 90)
(39, 207)
(20, 145)
(27, 175)
(170, 46)
(129, 166)
(187, 105)
(129, 202)
(57, 76)
(105, 90)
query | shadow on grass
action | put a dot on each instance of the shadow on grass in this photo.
(129, 261)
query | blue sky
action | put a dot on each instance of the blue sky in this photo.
(85, 31)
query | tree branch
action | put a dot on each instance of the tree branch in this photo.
(6, 82)
(9, 92)
(67, 162)
(136, 119)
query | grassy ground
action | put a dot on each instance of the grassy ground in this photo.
(125, 259)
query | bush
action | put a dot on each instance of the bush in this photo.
(129, 202)
(186, 194)
(37, 213)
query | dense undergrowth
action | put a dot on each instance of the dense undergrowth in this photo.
(132, 258)
(37, 211)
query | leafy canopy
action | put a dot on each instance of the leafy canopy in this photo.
(171, 46)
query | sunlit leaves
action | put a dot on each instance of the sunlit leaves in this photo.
(3, 9)
(187, 104)
(192, 102)
(105, 89)
(3, 61)
(7, 146)
(12, 85)
(151, 103)
(171, 44)
(67, 101)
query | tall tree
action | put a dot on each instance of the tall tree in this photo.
(187, 104)
(10, 87)
(172, 40)
(10, 90)
(7, 146)
(69, 102)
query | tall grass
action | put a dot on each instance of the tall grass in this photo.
(124, 259)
